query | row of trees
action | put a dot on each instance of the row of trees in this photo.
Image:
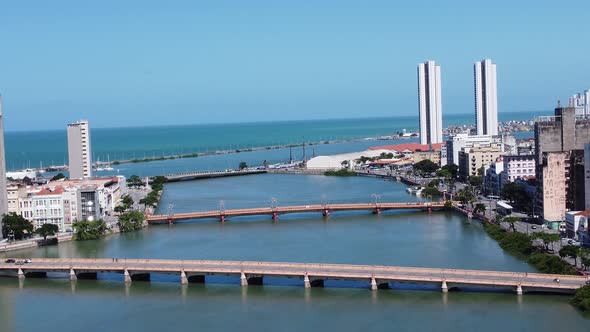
(16, 227)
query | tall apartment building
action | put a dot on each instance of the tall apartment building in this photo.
(486, 97)
(79, 150)
(430, 103)
(3, 192)
(559, 145)
(552, 186)
(581, 102)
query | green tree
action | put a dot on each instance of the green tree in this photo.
(58, 176)
(131, 221)
(547, 239)
(430, 192)
(582, 299)
(159, 180)
(16, 225)
(89, 230)
(516, 194)
(135, 181)
(511, 221)
(570, 251)
(449, 171)
(425, 167)
(479, 208)
(475, 181)
(47, 230)
(127, 201)
(465, 195)
(120, 209)
(243, 165)
(434, 183)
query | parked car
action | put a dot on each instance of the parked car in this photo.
(10, 260)
(19, 263)
(28, 261)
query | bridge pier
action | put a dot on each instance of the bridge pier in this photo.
(170, 221)
(306, 283)
(73, 276)
(275, 217)
(243, 280)
(519, 290)
(20, 274)
(222, 218)
(126, 276)
(444, 287)
(183, 278)
(377, 211)
(373, 284)
(326, 213)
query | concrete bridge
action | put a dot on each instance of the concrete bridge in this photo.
(310, 274)
(325, 209)
(211, 174)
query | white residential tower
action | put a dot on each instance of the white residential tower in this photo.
(486, 97)
(430, 103)
(79, 153)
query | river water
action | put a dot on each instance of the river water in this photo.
(441, 239)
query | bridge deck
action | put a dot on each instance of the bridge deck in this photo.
(369, 273)
(295, 209)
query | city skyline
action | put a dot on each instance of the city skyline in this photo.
(210, 62)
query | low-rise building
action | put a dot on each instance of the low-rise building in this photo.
(418, 152)
(576, 223)
(457, 143)
(473, 159)
(491, 181)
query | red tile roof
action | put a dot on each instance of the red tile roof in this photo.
(585, 213)
(409, 146)
(57, 191)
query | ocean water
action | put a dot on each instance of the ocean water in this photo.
(45, 148)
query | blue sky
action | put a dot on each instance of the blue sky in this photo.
(121, 63)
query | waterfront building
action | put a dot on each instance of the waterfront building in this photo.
(492, 183)
(15, 192)
(79, 150)
(65, 201)
(3, 194)
(455, 144)
(48, 207)
(581, 103)
(471, 160)
(430, 103)
(486, 97)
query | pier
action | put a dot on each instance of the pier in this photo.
(324, 209)
(309, 274)
(211, 174)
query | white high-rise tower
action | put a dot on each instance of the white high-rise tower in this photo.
(430, 103)
(79, 152)
(486, 97)
(3, 193)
